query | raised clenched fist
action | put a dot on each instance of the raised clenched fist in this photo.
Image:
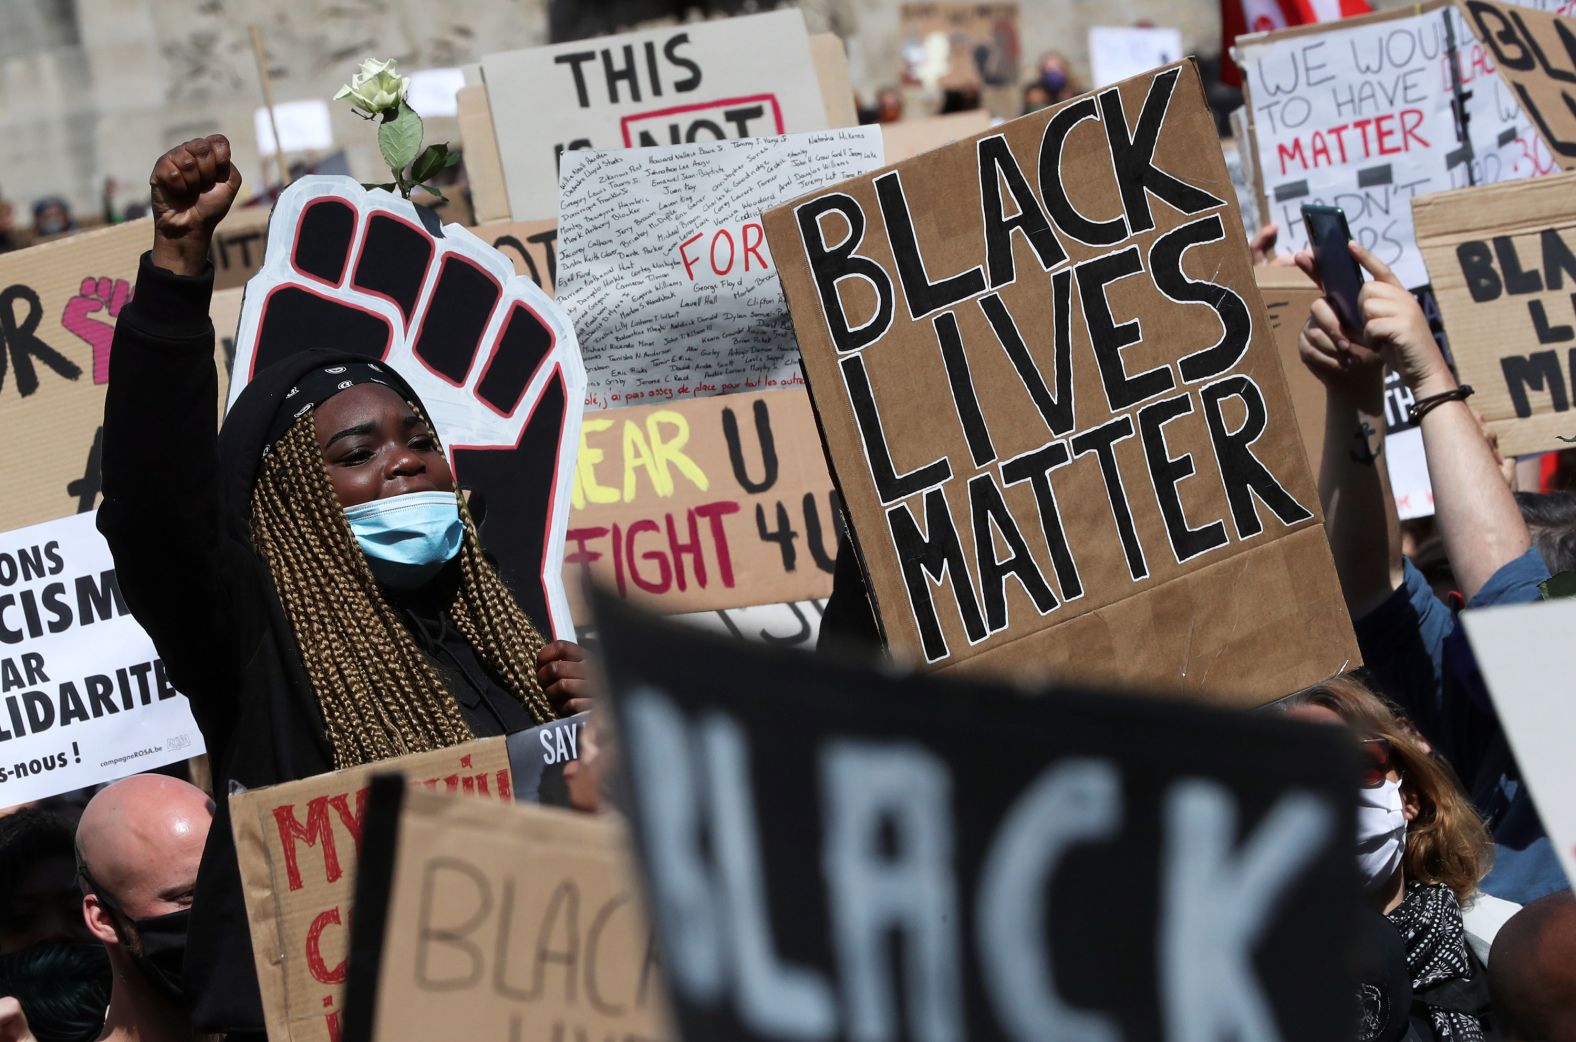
(193, 186)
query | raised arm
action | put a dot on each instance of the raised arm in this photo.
(161, 513)
(1475, 509)
(1354, 485)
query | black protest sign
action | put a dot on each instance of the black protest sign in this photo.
(538, 756)
(492, 356)
(832, 853)
(1052, 404)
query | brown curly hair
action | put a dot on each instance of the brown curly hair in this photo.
(1446, 842)
(379, 694)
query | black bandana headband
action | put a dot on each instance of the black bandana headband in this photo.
(317, 386)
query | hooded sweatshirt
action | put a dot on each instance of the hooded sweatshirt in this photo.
(176, 513)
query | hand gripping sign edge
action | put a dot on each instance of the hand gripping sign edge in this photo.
(493, 357)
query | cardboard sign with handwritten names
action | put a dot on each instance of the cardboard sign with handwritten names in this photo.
(706, 81)
(664, 267)
(494, 921)
(299, 846)
(703, 504)
(1054, 409)
(840, 853)
(1503, 262)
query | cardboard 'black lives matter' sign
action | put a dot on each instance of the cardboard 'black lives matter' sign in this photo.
(1052, 404)
(831, 853)
(1502, 259)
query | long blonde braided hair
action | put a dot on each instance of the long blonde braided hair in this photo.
(379, 695)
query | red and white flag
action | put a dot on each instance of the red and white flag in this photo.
(1241, 17)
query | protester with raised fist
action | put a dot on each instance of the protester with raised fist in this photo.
(310, 576)
(1409, 637)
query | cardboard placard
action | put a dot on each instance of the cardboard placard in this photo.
(238, 245)
(86, 697)
(483, 168)
(1288, 294)
(909, 137)
(493, 357)
(58, 304)
(531, 245)
(1533, 51)
(959, 45)
(1503, 263)
(664, 267)
(1012, 402)
(299, 846)
(825, 857)
(831, 73)
(492, 921)
(703, 504)
(1524, 653)
(706, 81)
(1359, 114)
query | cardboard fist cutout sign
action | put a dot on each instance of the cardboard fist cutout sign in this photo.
(493, 358)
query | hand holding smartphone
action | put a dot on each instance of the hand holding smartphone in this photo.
(1341, 275)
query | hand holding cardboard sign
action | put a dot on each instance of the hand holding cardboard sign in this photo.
(565, 676)
(193, 186)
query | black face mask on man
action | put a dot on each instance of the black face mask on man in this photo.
(156, 944)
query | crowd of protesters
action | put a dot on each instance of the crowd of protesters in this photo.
(123, 917)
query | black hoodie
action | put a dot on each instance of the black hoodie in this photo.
(176, 513)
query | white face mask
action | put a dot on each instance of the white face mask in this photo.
(1381, 833)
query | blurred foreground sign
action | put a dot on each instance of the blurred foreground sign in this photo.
(832, 853)
(488, 921)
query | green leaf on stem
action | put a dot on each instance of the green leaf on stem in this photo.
(399, 139)
(429, 162)
(441, 197)
(454, 157)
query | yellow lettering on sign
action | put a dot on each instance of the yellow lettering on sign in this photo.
(666, 451)
(586, 485)
(655, 450)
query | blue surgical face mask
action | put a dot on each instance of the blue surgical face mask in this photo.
(408, 539)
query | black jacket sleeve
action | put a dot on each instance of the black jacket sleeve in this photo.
(162, 513)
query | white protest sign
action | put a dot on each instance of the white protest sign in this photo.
(304, 126)
(1359, 115)
(1118, 53)
(1524, 653)
(86, 699)
(707, 81)
(663, 265)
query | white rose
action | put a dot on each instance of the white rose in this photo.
(377, 88)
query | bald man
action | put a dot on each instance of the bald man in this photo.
(1532, 971)
(138, 846)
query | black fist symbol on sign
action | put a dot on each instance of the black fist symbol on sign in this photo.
(493, 357)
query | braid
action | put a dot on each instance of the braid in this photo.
(379, 695)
